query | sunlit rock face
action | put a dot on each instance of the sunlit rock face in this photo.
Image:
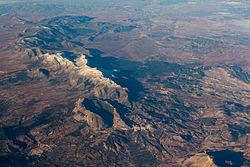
(200, 159)
(92, 82)
(80, 76)
(107, 117)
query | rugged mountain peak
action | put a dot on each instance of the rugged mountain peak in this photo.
(94, 121)
(98, 114)
(80, 76)
(200, 159)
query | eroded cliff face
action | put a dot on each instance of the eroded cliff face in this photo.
(92, 83)
(199, 160)
(81, 114)
(99, 116)
(83, 78)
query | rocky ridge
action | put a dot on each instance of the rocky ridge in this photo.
(82, 77)
(95, 121)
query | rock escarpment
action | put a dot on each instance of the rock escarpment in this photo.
(99, 115)
(200, 159)
(80, 76)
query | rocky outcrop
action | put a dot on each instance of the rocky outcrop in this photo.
(199, 160)
(105, 117)
(80, 76)
(94, 121)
